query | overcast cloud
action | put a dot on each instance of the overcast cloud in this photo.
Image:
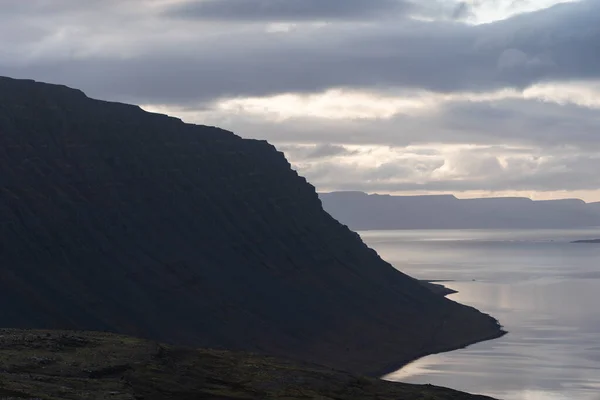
(287, 10)
(337, 84)
(257, 11)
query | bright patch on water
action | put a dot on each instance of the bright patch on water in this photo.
(544, 290)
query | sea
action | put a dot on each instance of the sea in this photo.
(542, 288)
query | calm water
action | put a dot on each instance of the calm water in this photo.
(543, 289)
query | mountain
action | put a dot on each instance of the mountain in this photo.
(95, 366)
(361, 211)
(595, 206)
(116, 219)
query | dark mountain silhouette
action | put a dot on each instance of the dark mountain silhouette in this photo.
(361, 211)
(116, 219)
(597, 241)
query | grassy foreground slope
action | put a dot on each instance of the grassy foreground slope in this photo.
(53, 365)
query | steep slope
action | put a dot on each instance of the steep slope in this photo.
(116, 219)
(361, 211)
(55, 365)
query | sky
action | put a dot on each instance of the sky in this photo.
(475, 98)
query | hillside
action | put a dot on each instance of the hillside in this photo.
(361, 211)
(595, 206)
(115, 219)
(54, 365)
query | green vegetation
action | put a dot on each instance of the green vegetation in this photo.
(53, 365)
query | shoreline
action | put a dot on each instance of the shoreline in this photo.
(436, 287)
(587, 241)
(458, 346)
(441, 289)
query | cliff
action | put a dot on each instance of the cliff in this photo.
(56, 365)
(115, 219)
(361, 211)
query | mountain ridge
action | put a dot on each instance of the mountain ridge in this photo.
(362, 211)
(116, 219)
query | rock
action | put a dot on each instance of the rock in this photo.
(116, 219)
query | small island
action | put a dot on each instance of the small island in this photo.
(587, 241)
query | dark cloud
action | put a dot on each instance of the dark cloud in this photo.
(260, 11)
(12, 8)
(328, 150)
(184, 67)
(462, 11)
(315, 152)
(288, 10)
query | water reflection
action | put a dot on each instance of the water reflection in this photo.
(543, 289)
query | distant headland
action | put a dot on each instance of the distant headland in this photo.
(362, 211)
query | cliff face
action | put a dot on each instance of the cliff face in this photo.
(116, 219)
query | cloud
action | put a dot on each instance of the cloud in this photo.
(182, 63)
(463, 171)
(328, 150)
(462, 11)
(493, 121)
(315, 152)
(491, 145)
(378, 95)
(260, 11)
(287, 10)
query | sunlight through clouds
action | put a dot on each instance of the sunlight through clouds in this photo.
(494, 10)
(400, 96)
(354, 104)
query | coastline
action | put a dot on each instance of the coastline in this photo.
(434, 285)
(442, 349)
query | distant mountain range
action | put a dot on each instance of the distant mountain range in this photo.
(361, 211)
